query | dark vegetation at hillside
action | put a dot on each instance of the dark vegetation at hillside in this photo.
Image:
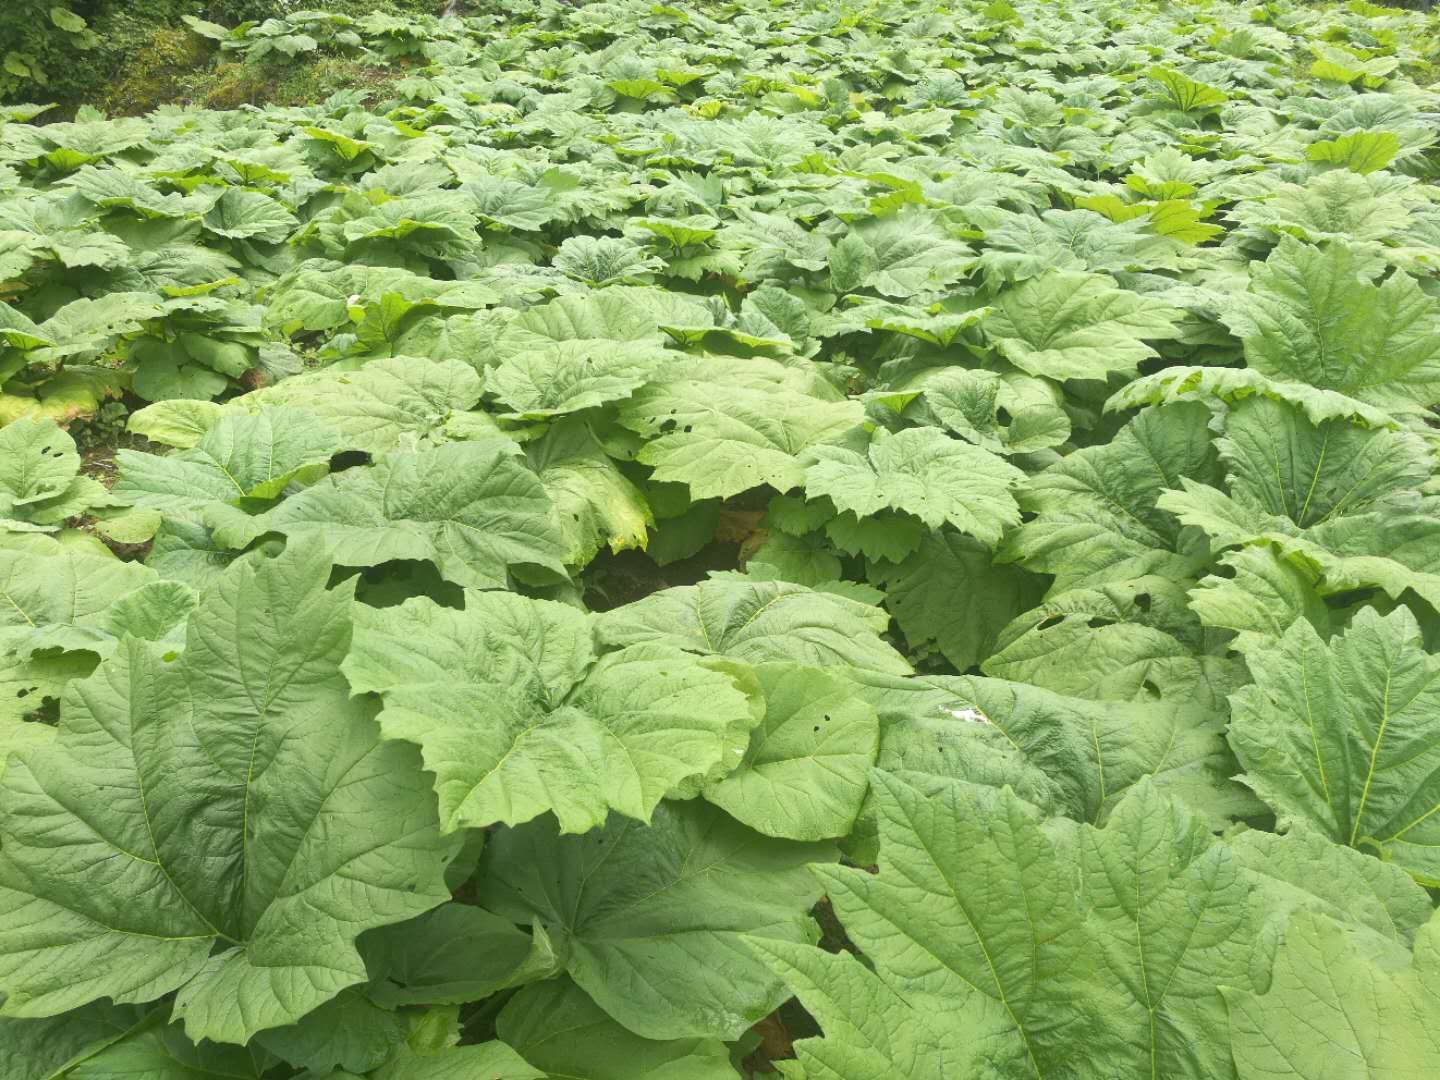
(127, 57)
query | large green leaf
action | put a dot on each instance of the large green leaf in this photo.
(40, 485)
(964, 973)
(1281, 463)
(510, 203)
(1336, 736)
(1354, 887)
(924, 472)
(569, 376)
(949, 592)
(26, 686)
(1174, 917)
(899, 255)
(1259, 596)
(249, 215)
(1095, 510)
(1077, 326)
(41, 1049)
(1007, 413)
(39, 463)
(242, 457)
(805, 772)
(385, 404)
(1334, 1009)
(178, 422)
(726, 427)
(603, 317)
(451, 955)
(348, 1032)
(61, 603)
(165, 1052)
(249, 820)
(55, 596)
(605, 260)
(515, 715)
(1346, 504)
(558, 1027)
(651, 918)
(755, 621)
(1024, 245)
(1314, 316)
(986, 957)
(1123, 640)
(472, 508)
(594, 504)
(1185, 383)
(1336, 206)
(322, 295)
(1074, 756)
(1394, 549)
(1360, 151)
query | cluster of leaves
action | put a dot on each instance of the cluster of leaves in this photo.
(1069, 370)
(382, 34)
(25, 32)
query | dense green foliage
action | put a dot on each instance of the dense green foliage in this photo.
(669, 480)
(132, 55)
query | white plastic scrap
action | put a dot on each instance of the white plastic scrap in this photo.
(975, 716)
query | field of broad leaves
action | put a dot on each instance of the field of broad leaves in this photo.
(841, 540)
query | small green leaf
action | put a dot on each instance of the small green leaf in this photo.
(67, 20)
